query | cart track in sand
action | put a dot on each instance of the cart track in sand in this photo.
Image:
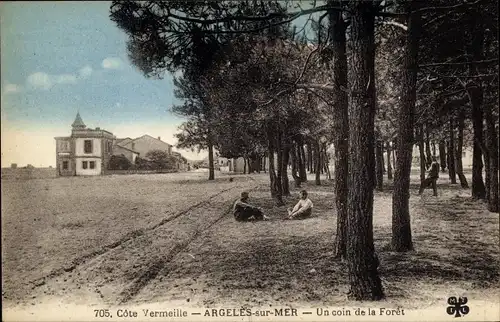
(117, 272)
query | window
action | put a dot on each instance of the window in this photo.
(464, 154)
(87, 146)
(84, 164)
(63, 145)
(65, 165)
(110, 147)
(92, 164)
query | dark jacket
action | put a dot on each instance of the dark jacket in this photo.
(434, 170)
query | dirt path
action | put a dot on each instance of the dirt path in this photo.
(112, 270)
(203, 258)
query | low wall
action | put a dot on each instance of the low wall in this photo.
(26, 174)
(140, 171)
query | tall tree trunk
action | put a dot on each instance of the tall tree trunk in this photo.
(317, 162)
(492, 147)
(275, 182)
(401, 227)
(211, 170)
(382, 160)
(486, 160)
(478, 187)
(321, 160)
(427, 148)
(244, 165)
(284, 175)
(264, 164)
(433, 148)
(389, 165)
(272, 173)
(279, 165)
(421, 151)
(295, 165)
(362, 260)
(442, 155)
(302, 164)
(380, 170)
(475, 93)
(394, 157)
(310, 164)
(326, 162)
(458, 155)
(341, 127)
(451, 151)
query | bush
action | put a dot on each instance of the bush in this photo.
(119, 162)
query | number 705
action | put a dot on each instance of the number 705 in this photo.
(102, 313)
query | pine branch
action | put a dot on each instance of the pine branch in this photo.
(486, 61)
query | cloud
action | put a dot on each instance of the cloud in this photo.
(40, 80)
(65, 79)
(112, 63)
(85, 72)
(44, 81)
(12, 88)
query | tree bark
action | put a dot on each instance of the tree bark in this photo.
(442, 155)
(275, 182)
(326, 162)
(401, 227)
(362, 260)
(211, 170)
(295, 165)
(492, 146)
(421, 151)
(382, 160)
(279, 165)
(284, 175)
(475, 93)
(389, 165)
(302, 160)
(428, 154)
(340, 126)
(451, 159)
(394, 157)
(310, 164)
(458, 155)
(379, 166)
(317, 162)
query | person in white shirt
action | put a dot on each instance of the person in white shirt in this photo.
(302, 209)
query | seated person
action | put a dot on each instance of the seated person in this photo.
(244, 212)
(302, 209)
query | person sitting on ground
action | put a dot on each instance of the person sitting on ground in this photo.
(244, 211)
(302, 209)
(431, 177)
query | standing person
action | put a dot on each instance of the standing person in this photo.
(432, 177)
(302, 209)
(244, 211)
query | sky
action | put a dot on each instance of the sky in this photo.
(60, 58)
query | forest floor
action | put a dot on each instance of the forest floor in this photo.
(170, 240)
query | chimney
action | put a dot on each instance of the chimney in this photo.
(159, 138)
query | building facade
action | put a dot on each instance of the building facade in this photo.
(85, 153)
(144, 144)
(88, 151)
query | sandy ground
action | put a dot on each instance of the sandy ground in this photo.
(138, 239)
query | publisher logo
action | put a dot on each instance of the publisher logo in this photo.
(457, 306)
